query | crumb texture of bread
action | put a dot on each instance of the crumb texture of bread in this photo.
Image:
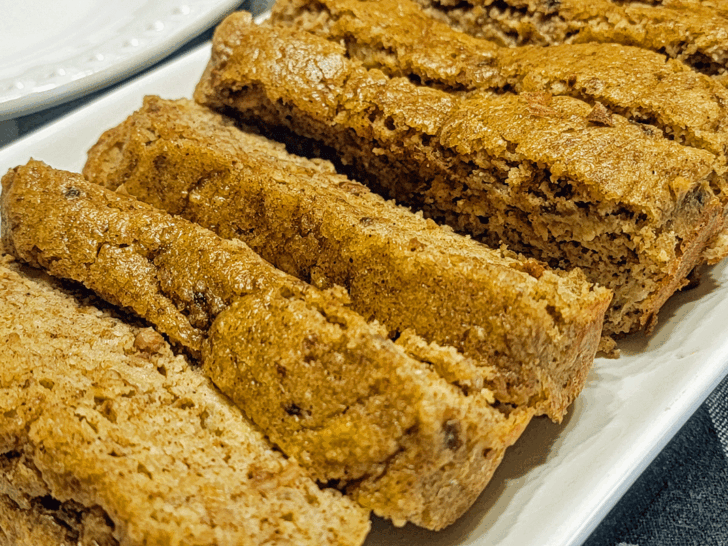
(635, 211)
(324, 385)
(103, 443)
(48, 522)
(530, 332)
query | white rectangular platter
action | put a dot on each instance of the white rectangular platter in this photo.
(559, 481)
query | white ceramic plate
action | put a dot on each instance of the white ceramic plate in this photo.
(51, 52)
(558, 481)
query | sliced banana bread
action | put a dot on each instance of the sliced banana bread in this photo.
(401, 39)
(659, 95)
(543, 174)
(108, 438)
(324, 385)
(532, 332)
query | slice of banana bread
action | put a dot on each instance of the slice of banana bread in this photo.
(401, 39)
(692, 32)
(324, 385)
(107, 438)
(660, 95)
(532, 333)
(540, 173)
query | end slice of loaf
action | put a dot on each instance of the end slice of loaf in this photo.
(324, 385)
(107, 438)
(636, 212)
(532, 333)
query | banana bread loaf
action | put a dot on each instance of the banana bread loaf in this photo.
(106, 438)
(531, 332)
(543, 174)
(325, 386)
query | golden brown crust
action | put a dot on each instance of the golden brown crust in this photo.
(103, 444)
(530, 331)
(324, 385)
(531, 170)
(316, 78)
(82, 233)
(690, 31)
(398, 37)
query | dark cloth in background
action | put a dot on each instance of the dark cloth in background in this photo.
(682, 498)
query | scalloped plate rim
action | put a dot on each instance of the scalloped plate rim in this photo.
(129, 50)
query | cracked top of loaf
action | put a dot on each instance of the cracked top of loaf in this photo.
(616, 166)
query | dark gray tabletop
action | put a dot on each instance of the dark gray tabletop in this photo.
(682, 498)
